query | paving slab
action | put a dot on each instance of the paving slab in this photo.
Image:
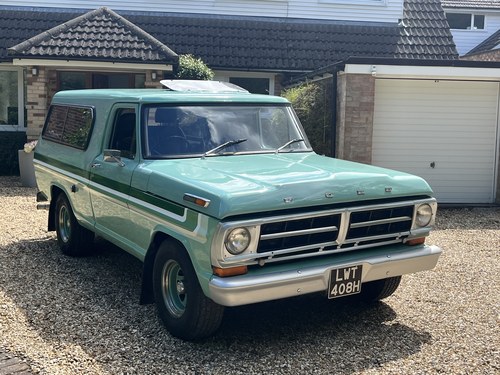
(11, 365)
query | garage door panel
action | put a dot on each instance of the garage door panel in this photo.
(451, 123)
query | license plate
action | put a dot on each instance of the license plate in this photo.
(345, 281)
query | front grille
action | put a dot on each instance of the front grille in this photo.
(334, 232)
(298, 233)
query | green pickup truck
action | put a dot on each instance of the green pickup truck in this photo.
(219, 194)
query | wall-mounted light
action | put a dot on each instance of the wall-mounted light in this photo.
(34, 71)
(153, 76)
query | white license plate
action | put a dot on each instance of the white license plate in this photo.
(345, 281)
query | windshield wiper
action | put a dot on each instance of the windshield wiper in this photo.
(288, 144)
(223, 146)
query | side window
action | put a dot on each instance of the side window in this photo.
(69, 125)
(123, 137)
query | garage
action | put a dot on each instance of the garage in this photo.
(445, 131)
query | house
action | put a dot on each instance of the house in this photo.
(472, 22)
(489, 50)
(368, 47)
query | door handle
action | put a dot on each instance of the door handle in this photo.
(96, 165)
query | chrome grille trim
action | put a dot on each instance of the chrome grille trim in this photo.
(345, 229)
(383, 221)
(298, 233)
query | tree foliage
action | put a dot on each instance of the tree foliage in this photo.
(312, 103)
(191, 67)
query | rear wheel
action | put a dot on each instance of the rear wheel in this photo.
(379, 289)
(182, 306)
(73, 239)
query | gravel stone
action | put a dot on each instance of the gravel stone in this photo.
(64, 315)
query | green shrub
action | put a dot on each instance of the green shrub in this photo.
(312, 102)
(191, 67)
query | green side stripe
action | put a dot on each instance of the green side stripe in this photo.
(111, 184)
(157, 201)
(61, 165)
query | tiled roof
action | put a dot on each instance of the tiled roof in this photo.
(474, 4)
(424, 32)
(262, 43)
(100, 34)
(489, 44)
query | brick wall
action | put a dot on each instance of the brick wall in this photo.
(153, 84)
(10, 142)
(36, 101)
(486, 56)
(355, 103)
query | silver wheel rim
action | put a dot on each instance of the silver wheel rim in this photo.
(64, 224)
(173, 288)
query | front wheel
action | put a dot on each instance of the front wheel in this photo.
(73, 239)
(182, 306)
(379, 289)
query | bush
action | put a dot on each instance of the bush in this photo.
(312, 102)
(191, 67)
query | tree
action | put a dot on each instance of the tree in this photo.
(191, 67)
(312, 103)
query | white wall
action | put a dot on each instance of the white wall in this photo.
(345, 10)
(468, 39)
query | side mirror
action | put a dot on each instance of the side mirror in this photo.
(113, 156)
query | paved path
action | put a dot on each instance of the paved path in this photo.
(10, 365)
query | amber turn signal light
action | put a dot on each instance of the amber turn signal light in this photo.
(233, 271)
(416, 241)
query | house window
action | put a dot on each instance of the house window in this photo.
(10, 98)
(95, 80)
(465, 21)
(254, 85)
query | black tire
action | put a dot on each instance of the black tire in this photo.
(186, 312)
(379, 289)
(73, 239)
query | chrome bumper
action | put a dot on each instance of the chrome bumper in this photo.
(260, 287)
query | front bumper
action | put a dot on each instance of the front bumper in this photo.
(311, 277)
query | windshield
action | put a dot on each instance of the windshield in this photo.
(212, 130)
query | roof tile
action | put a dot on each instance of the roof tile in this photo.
(232, 42)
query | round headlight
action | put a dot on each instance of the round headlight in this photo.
(237, 240)
(424, 215)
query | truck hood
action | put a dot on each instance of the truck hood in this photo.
(243, 184)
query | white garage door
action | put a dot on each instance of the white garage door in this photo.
(443, 131)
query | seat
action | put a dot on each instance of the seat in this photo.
(124, 135)
(169, 119)
(167, 138)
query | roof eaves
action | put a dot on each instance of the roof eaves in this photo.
(47, 35)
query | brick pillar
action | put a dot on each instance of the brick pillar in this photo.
(356, 97)
(36, 101)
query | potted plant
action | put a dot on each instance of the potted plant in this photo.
(26, 167)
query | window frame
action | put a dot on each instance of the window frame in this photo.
(21, 117)
(472, 16)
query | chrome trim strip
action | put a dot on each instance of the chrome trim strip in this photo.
(298, 232)
(379, 237)
(381, 221)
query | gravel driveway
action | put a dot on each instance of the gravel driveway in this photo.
(81, 316)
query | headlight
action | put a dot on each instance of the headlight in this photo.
(424, 215)
(237, 240)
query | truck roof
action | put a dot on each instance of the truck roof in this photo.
(163, 96)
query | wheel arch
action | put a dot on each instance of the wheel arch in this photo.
(147, 295)
(54, 193)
